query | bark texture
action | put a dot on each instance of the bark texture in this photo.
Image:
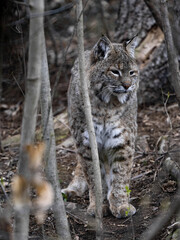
(30, 108)
(90, 126)
(171, 51)
(173, 14)
(50, 154)
(174, 17)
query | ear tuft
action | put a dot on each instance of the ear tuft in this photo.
(131, 46)
(101, 49)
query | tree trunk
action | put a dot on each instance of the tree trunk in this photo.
(171, 51)
(1, 63)
(174, 18)
(1, 56)
(90, 126)
(30, 107)
(50, 154)
(135, 17)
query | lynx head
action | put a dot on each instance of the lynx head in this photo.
(114, 71)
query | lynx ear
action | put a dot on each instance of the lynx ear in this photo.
(131, 45)
(101, 49)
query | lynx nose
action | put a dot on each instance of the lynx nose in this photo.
(126, 84)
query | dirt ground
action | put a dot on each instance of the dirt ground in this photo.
(152, 189)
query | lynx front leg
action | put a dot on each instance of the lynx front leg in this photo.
(118, 195)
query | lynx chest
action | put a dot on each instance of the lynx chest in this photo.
(110, 129)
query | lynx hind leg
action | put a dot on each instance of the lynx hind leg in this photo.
(78, 185)
(118, 194)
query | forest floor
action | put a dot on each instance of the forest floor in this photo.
(152, 189)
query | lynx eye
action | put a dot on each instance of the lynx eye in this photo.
(132, 73)
(115, 72)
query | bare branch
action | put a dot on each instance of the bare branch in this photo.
(20, 3)
(88, 115)
(50, 156)
(39, 14)
(30, 109)
(5, 194)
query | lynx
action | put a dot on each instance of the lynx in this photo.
(112, 82)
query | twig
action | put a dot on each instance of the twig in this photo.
(77, 218)
(18, 85)
(21, 3)
(166, 111)
(141, 175)
(5, 194)
(47, 13)
(66, 149)
(64, 124)
(159, 165)
(58, 111)
(174, 225)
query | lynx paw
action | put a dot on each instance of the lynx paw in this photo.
(69, 192)
(123, 211)
(76, 188)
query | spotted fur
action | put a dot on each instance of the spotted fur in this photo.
(113, 82)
